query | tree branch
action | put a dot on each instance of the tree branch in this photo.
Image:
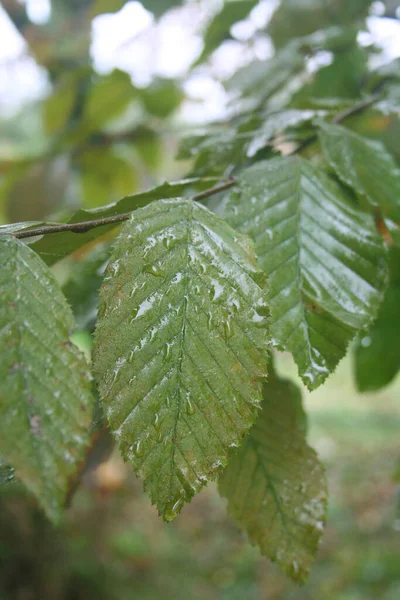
(86, 225)
(339, 118)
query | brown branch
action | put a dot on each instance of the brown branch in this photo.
(87, 225)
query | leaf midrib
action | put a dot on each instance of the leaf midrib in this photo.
(180, 358)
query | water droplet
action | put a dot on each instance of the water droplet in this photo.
(190, 408)
(134, 313)
(138, 449)
(170, 242)
(157, 422)
(172, 509)
(263, 310)
(366, 341)
(154, 270)
(210, 321)
(167, 351)
(228, 328)
(235, 305)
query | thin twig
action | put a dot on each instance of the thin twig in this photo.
(339, 118)
(87, 225)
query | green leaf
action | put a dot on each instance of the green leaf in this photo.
(364, 165)
(218, 30)
(275, 123)
(275, 485)
(297, 18)
(377, 352)
(54, 246)
(338, 83)
(107, 6)
(83, 285)
(325, 261)
(39, 190)
(46, 404)
(159, 7)
(180, 346)
(222, 151)
(260, 79)
(162, 97)
(218, 153)
(105, 175)
(58, 107)
(108, 96)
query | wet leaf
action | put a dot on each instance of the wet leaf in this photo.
(364, 165)
(180, 346)
(275, 485)
(46, 404)
(377, 352)
(223, 151)
(325, 262)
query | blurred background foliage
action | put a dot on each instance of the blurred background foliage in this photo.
(99, 101)
(112, 544)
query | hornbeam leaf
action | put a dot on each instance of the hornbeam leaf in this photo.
(364, 165)
(275, 485)
(180, 346)
(325, 261)
(45, 399)
(377, 352)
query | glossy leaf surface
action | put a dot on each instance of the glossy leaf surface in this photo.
(364, 165)
(275, 485)
(46, 404)
(325, 262)
(180, 347)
